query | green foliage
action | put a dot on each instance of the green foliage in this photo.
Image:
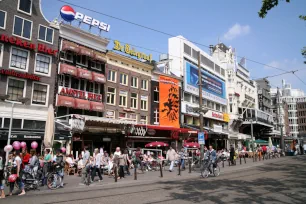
(302, 17)
(267, 5)
(304, 53)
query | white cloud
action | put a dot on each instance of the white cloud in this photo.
(237, 30)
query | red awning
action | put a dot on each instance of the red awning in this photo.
(70, 46)
(99, 56)
(157, 127)
(85, 74)
(96, 106)
(100, 78)
(86, 51)
(82, 104)
(68, 69)
(65, 101)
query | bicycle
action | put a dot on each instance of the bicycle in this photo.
(88, 175)
(54, 180)
(213, 167)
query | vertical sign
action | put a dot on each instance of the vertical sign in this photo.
(169, 102)
(201, 139)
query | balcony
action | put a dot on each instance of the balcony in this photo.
(257, 116)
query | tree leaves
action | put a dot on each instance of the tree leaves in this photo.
(267, 5)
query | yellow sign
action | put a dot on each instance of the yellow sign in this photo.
(127, 49)
(226, 117)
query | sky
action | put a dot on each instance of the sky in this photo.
(276, 40)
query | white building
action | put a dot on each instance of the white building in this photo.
(184, 63)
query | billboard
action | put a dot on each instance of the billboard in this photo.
(213, 88)
(169, 102)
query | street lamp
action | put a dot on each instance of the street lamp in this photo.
(22, 101)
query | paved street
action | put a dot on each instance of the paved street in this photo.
(273, 181)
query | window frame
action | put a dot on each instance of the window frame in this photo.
(133, 98)
(156, 116)
(129, 117)
(147, 84)
(47, 96)
(65, 53)
(133, 77)
(24, 89)
(81, 64)
(141, 120)
(122, 117)
(5, 18)
(25, 11)
(45, 41)
(22, 28)
(145, 101)
(96, 62)
(127, 79)
(1, 54)
(122, 95)
(113, 104)
(109, 110)
(50, 65)
(28, 59)
(112, 71)
(156, 90)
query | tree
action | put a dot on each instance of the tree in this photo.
(304, 53)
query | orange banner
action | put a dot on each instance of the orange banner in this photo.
(169, 102)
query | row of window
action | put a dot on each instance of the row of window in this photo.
(80, 84)
(16, 89)
(128, 65)
(22, 28)
(123, 98)
(301, 113)
(141, 119)
(124, 80)
(22, 124)
(20, 58)
(210, 104)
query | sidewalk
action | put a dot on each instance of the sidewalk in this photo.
(72, 183)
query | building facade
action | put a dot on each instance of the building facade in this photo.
(184, 56)
(264, 96)
(301, 114)
(28, 61)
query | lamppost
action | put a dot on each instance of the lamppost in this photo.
(20, 100)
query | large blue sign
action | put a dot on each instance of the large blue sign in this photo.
(213, 88)
(201, 139)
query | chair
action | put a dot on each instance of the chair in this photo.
(69, 169)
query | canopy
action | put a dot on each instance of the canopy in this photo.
(192, 144)
(49, 128)
(261, 142)
(156, 144)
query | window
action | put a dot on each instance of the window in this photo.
(156, 116)
(156, 94)
(144, 103)
(123, 98)
(111, 95)
(222, 72)
(187, 49)
(15, 89)
(143, 119)
(96, 65)
(16, 123)
(25, 6)
(195, 54)
(134, 82)
(133, 117)
(195, 99)
(110, 114)
(144, 84)
(92, 87)
(40, 93)
(82, 60)
(111, 75)
(34, 124)
(64, 80)
(1, 54)
(122, 115)
(43, 64)
(22, 27)
(124, 79)
(45, 34)
(2, 19)
(19, 59)
(66, 56)
(187, 97)
(218, 107)
(134, 100)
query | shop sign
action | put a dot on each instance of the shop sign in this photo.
(107, 139)
(140, 131)
(260, 101)
(79, 94)
(26, 137)
(68, 14)
(217, 115)
(110, 114)
(226, 117)
(217, 128)
(19, 74)
(130, 51)
(151, 132)
(28, 45)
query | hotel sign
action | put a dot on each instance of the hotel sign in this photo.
(79, 94)
(130, 51)
(19, 74)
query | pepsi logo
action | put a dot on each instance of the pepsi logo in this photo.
(67, 13)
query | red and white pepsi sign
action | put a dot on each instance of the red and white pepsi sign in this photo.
(69, 14)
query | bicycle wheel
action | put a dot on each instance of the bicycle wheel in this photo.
(204, 172)
(53, 181)
(216, 171)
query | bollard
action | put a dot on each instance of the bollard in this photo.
(244, 159)
(229, 162)
(135, 171)
(161, 169)
(223, 163)
(189, 162)
(240, 160)
(116, 173)
(179, 168)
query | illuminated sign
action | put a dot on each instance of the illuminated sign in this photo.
(68, 14)
(28, 45)
(127, 49)
(79, 94)
(19, 74)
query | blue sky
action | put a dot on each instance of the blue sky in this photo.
(276, 40)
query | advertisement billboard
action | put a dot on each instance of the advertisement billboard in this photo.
(213, 88)
(169, 102)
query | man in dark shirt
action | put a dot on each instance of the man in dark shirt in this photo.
(232, 154)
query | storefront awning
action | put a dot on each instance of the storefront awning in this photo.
(158, 127)
(82, 104)
(65, 101)
(86, 51)
(100, 78)
(108, 120)
(100, 57)
(85, 74)
(68, 69)
(96, 106)
(70, 46)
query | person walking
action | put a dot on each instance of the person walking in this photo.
(127, 162)
(47, 165)
(183, 155)
(17, 163)
(232, 154)
(86, 164)
(59, 167)
(2, 163)
(97, 165)
(171, 154)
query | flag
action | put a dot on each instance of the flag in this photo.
(242, 62)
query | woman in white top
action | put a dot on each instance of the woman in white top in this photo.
(70, 161)
(17, 170)
(97, 165)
